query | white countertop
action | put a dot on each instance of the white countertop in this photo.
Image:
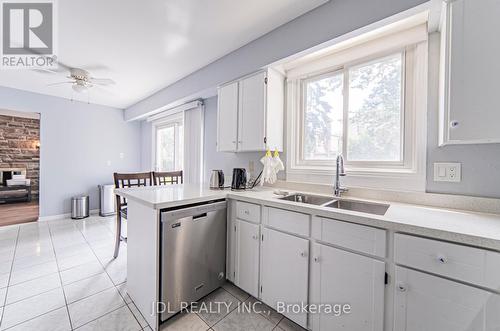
(478, 229)
(166, 196)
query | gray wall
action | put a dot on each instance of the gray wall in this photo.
(480, 163)
(77, 141)
(322, 24)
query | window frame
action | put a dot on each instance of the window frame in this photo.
(175, 121)
(409, 173)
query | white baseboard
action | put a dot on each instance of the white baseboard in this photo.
(63, 216)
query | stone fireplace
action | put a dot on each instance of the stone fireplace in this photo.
(20, 148)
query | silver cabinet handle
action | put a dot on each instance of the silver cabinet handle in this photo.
(246, 212)
(454, 124)
(442, 259)
(303, 254)
(316, 259)
(402, 287)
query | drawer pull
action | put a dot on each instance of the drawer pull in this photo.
(402, 287)
(303, 254)
(247, 212)
(442, 259)
(316, 259)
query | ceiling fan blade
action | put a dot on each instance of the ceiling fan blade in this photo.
(102, 81)
(62, 65)
(102, 89)
(47, 71)
(60, 83)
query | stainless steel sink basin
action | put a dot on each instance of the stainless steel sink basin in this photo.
(308, 198)
(359, 206)
(333, 202)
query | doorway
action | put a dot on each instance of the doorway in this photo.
(19, 167)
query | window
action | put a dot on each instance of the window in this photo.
(169, 146)
(368, 106)
(372, 129)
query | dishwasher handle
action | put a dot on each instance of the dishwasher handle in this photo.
(197, 217)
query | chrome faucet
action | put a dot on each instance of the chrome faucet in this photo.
(337, 189)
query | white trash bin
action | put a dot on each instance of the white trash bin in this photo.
(107, 205)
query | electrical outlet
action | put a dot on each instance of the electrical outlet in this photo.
(447, 172)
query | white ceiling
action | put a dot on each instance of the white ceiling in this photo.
(147, 45)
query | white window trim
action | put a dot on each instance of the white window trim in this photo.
(410, 176)
(163, 122)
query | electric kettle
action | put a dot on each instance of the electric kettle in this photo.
(239, 179)
(217, 179)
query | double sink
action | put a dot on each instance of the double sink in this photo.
(346, 204)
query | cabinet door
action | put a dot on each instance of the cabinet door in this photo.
(227, 118)
(340, 277)
(247, 257)
(472, 71)
(252, 113)
(424, 302)
(285, 268)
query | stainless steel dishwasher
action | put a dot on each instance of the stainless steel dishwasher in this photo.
(193, 253)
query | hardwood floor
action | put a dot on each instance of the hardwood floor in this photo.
(20, 212)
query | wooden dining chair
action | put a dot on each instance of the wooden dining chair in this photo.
(170, 177)
(124, 181)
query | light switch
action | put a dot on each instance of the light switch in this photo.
(447, 172)
(441, 171)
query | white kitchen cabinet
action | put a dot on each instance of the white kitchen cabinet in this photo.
(472, 265)
(250, 113)
(247, 257)
(469, 71)
(285, 270)
(227, 117)
(425, 302)
(341, 277)
(252, 108)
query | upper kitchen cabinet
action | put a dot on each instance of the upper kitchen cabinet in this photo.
(227, 117)
(470, 68)
(250, 113)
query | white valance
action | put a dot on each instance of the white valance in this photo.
(193, 144)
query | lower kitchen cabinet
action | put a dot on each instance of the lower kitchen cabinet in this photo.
(342, 278)
(427, 302)
(285, 269)
(247, 257)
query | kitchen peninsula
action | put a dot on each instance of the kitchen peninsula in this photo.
(269, 238)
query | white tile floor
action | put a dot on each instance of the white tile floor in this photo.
(60, 275)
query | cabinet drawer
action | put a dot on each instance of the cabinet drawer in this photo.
(357, 237)
(285, 220)
(468, 264)
(248, 211)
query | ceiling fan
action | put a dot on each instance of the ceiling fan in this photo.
(81, 80)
